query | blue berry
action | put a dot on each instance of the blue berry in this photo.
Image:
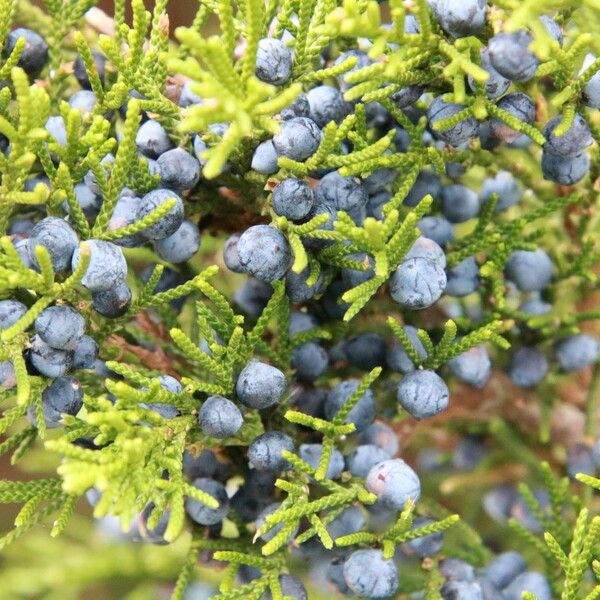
(530, 271)
(83, 100)
(124, 214)
(63, 396)
(363, 412)
(505, 187)
(264, 159)
(596, 455)
(178, 169)
(381, 435)
(170, 384)
(591, 90)
(342, 193)
(260, 521)
(152, 139)
(89, 202)
(535, 306)
(418, 282)
(360, 461)
(80, 71)
(181, 245)
(203, 465)
(354, 277)
(462, 590)
(459, 203)
(366, 351)
(460, 18)
(438, 229)
(309, 400)
(379, 180)
(326, 104)
(273, 61)
(291, 587)
(351, 520)
(463, 279)
(49, 361)
(473, 367)
(423, 394)
(369, 575)
(469, 452)
(427, 182)
(580, 459)
(311, 453)
(298, 108)
(85, 353)
(510, 55)
(219, 417)
(58, 237)
(61, 327)
(460, 133)
(114, 302)
(362, 60)
(398, 360)
(564, 170)
(576, 352)
(297, 139)
(55, 126)
(577, 138)
(310, 361)
(293, 199)
(107, 267)
(426, 545)
(230, 255)
(553, 28)
(518, 105)
(394, 483)
(264, 252)
(456, 569)
(260, 385)
(530, 581)
(502, 569)
(90, 179)
(10, 312)
(297, 288)
(35, 50)
(202, 514)
(300, 321)
(188, 97)
(8, 377)
(264, 453)
(528, 366)
(252, 297)
(169, 223)
(495, 85)
(166, 411)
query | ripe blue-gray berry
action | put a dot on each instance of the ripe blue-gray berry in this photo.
(63, 395)
(264, 252)
(528, 366)
(436, 228)
(107, 267)
(260, 385)
(363, 412)
(178, 169)
(576, 352)
(503, 568)
(80, 71)
(35, 50)
(114, 302)
(181, 245)
(342, 193)
(459, 203)
(297, 287)
(297, 139)
(363, 458)
(531, 581)
(124, 214)
(152, 139)
(495, 85)
(366, 350)
(381, 435)
(427, 182)
(202, 514)
(261, 519)
(47, 360)
(264, 453)
(326, 103)
(264, 159)
(505, 187)
(418, 283)
(518, 105)
(510, 55)
(168, 224)
(473, 367)
(291, 587)
(398, 359)
(369, 575)
(273, 61)
(463, 279)
(552, 27)
(394, 483)
(85, 353)
(59, 239)
(83, 100)
(460, 18)
(529, 270)
(423, 394)
(426, 545)
(565, 170)
(219, 417)
(459, 133)
(10, 312)
(311, 453)
(293, 199)
(591, 90)
(462, 590)
(61, 327)
(573, 142)
(310, 361)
